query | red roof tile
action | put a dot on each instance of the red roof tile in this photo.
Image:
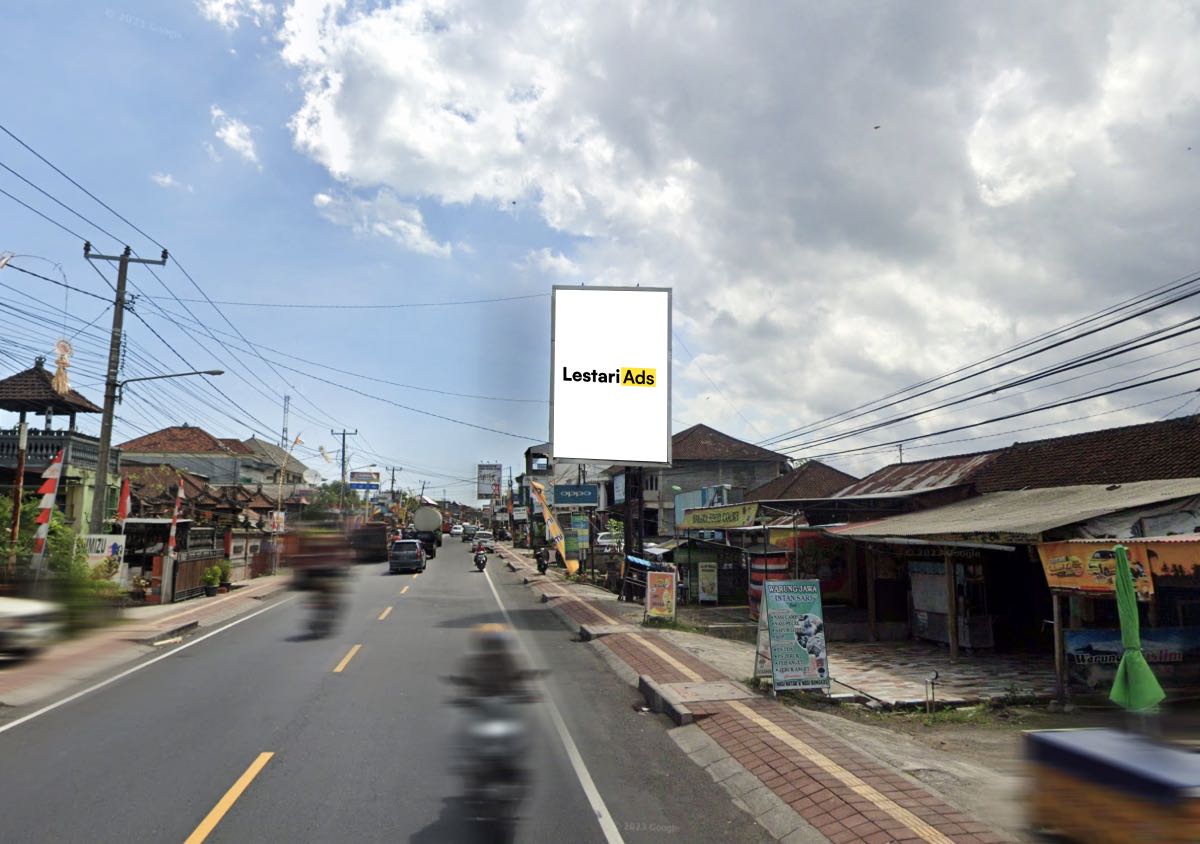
(1147, 452)
(178, 439)
(812, 479)
(236, 446)
(701, 442)
(31, 390)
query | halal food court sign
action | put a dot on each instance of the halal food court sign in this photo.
(610, 385)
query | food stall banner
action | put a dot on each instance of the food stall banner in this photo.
(796, 625)
(819, 556)
(553, 532)
(707, 570)
(734, 515)
(1091, 567)
(660, 594)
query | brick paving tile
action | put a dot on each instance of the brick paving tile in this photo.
(878, 837)
(801, 805)
(820, 820)
(844, 812)
(844, 837)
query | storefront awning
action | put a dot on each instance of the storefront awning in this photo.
(1021, 516)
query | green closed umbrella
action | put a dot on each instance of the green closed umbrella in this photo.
(1135, 686)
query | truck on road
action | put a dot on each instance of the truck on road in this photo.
(428, 522)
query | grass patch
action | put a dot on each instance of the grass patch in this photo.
(670, 624)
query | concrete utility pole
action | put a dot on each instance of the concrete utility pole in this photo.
(342, 489)
(287, 401)
(100, 493)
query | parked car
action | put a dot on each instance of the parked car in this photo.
(406, 555)
(457, 530)
(27, 626)
(608, 542)
(487, 539)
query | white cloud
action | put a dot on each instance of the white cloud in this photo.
(551, 263)
(846, 200)
(229, 14)
(166, 180)
(234, 134)
(384, 215)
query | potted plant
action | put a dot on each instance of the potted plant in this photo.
(226, 567)
(211, 578)
(138, 586)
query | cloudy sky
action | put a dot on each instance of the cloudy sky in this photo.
(847, 199)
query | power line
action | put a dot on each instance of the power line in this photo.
(13, 266)
(372, 307)
(714, 383)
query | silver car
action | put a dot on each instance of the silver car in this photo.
(27, 626)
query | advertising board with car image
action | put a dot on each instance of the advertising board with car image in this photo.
(1091, 567)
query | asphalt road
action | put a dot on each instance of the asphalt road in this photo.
(363, 754)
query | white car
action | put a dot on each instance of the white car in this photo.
(27, 626)
(607, 541)
(457, 530)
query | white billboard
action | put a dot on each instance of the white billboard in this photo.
(488, 479)
(610, 381)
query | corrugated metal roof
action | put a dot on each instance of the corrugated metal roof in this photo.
(922, 475)
(1026, 511)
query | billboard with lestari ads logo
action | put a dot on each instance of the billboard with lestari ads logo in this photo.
(610, 384)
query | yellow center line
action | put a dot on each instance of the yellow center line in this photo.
(346, 659)
(920, 827)
(385, 613)
(225, 803)
(667, 658)
(405, 589)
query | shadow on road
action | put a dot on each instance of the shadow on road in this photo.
(453, 824)
(523, 619)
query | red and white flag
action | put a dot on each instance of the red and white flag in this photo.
(49, 492)
(175, 517)
(123, 501)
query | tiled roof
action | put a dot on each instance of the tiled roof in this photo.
(178, 439)
(701, 442)
(813, 479)
(274, 455)
(236, 446)
(31, 390)
(936, 473)
(1150, 451)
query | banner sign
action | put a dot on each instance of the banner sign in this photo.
(520, 514)
(735, 515)
(576, 495)
(488, 479)
(762, 648)
(1091, 567)
(796, 625)
(611, 402)
(102, 546)
(707, 571)
(660, 594)
(364, 480)
(1093, 655)
(579, 527)
(819, 556)
(554, 533)
(278, 521)
(619, 489)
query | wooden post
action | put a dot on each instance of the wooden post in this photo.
(951, 606)
(1060, 651)
(872, 622)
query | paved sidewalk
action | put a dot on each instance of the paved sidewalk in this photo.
(800, 780)
(74, 661)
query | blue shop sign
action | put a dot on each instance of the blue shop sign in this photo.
(576, 495)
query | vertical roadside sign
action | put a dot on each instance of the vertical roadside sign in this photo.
(660, 594)
(796, 625)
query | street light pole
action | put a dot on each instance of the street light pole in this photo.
(100, 492)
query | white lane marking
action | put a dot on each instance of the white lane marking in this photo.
(607, 825)
(52, 706)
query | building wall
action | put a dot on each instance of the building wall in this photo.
(220, 469)
(690, 475)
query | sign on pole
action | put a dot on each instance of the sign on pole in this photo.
(796, 626)
(520, 514)
(611, 402)
(707, 575)
(488, 479)
(660, 594)
(364, 480)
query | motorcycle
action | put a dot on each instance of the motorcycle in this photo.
(542, 564)
(495, 747)
(480, 560)
(324, 607)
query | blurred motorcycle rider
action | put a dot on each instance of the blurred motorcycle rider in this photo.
(492, 668)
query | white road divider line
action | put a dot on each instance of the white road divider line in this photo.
(84, 692)
(607, 825)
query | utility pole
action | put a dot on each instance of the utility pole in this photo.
(100, 493)
(287, 401)
(342, 489)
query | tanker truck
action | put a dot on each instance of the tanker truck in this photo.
(428, 522)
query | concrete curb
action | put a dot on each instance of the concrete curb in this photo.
(166, 634)
(663, 700)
